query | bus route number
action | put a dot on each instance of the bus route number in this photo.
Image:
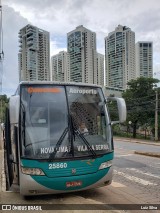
(57, 165)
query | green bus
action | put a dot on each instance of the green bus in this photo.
(58, 138)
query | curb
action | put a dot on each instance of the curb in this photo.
(151, 154)
(2, 168)
(3, 174)
(131, 141)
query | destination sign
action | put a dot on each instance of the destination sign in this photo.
(83, 148)
(83, 91)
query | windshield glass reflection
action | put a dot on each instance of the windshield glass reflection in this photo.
(54, 128)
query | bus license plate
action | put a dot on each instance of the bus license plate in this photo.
(73, 184)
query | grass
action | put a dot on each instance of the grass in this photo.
(130, 135)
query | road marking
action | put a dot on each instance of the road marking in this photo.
(116, 184)
(123, 155)
(135, 179)
(138, 171)
(154, 167)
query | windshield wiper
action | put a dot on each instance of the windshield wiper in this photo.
(78, 133)
(73, 131)
(71, 135)
(58, 144)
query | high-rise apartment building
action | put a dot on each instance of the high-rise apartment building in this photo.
(60, 67)
(81, 46)
(34, 54)
(100, 70)
(120, 57)
(144, 59)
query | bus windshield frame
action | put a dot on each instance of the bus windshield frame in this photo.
(63, 122)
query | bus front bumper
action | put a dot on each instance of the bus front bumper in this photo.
(33, 185)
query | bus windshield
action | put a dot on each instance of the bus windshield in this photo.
(63, 122)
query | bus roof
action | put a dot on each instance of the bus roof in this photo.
(58, 83)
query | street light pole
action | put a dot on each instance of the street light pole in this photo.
(1, 66)
(130, 122)
(156, 117)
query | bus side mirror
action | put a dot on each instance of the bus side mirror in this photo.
(14, 105)
(121, 111)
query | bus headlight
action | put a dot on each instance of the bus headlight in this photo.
(32, 171)
(106, 164)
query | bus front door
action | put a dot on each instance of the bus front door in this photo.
(8, 161)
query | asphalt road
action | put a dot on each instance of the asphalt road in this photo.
(140, 173)
(136, 178)
(136, 146)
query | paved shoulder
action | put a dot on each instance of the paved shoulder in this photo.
(151, 154)
(132, 140)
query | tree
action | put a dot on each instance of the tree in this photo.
(3, 105)
(140, 101)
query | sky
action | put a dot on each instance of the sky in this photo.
(62, 16)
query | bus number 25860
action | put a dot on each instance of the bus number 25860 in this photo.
(57, 165)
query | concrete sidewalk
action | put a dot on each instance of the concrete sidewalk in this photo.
(147, 142)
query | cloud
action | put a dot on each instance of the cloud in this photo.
(52, 15)
(62, 16)
(55, 48)
(12, 22)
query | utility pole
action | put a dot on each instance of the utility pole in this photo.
(1, 69)
(1, 49)
(156, 117)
